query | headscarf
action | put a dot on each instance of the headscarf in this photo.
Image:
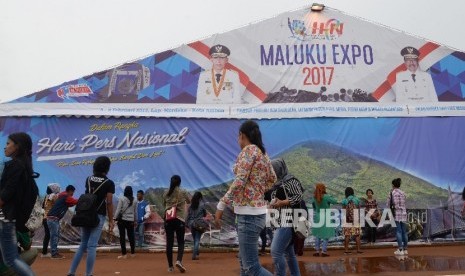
(280, 169)
(54, 188)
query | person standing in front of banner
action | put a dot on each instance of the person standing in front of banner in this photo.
(413, 84)
(13, 192)
(253, 175)
(371, 206)
(53, 189)
(125, 215)
(178, 198)
(219, 85)
(287, 196)
(90, 236)
(396, 198)
(143, 213)
(323, 232)
(196, 211)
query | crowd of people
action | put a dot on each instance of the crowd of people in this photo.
(259, 184)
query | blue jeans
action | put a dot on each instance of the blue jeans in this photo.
(248, 231)
(282, 249)
(89, 241)
(401, 235)
(9, 250)
(196, 235)
(323, 242)
(140, 233)
(54, 228)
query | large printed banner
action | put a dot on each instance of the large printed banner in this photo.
(362, 153)
(298, 64)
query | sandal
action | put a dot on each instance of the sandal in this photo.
(347, 253)
(316, 254)
(324, 255)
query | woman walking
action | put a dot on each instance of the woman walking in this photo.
(16, 190)
(125, 216)
(286, 196)
(196, 212)
(253, 176)
(99, 184)
(175, 198)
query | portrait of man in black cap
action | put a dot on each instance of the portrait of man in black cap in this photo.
(413, 84)
(219, 85)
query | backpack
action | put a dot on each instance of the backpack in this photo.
(86, 214)
(35, 210)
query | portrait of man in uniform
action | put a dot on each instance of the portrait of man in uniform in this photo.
(413, 85)
(219, 85)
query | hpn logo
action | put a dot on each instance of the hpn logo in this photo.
(328, 30)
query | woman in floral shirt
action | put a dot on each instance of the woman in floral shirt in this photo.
(253, 176)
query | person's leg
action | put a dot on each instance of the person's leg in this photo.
(317, 246)
(169, 231)
(290, 255)
(92, 245)
(373, 234)
(278, 248)
(399, 235)
(140, 234)
(180, 232)
(324, 247)
(46, 237)
(131, 236)
(346, 243)
(196, 237)
(249, 228)
(9, 250)
(357, 242)
(53, 226)
(263, 239)
(404, 236)
(85, 234)
(122, 237)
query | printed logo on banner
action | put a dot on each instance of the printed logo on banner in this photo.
(74, 90)
(329, 30)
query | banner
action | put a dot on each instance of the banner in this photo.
(296, 65)
(362, 153)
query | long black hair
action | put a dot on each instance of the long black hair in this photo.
(128, 193)
(196, 198)
(252, 131)
(24, 152)
(174, 182)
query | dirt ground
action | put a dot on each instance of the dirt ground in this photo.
(428, 260)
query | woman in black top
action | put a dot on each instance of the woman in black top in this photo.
(15, 193)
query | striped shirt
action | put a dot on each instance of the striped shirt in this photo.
(294, 192)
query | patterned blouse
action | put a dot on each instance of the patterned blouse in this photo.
(399, 203)
(253, 176)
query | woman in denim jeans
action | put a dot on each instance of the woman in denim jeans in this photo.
(196, 211)
(253, 176)
(14, 188)
(90, 236)
(286, 195)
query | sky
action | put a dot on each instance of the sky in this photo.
(45, 43)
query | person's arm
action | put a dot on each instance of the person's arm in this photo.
(244, 165)
(109, 200)
(187, 197)
(15, 176)
(430, 87)
(147, 212)
(119, 207)
(70, 201)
